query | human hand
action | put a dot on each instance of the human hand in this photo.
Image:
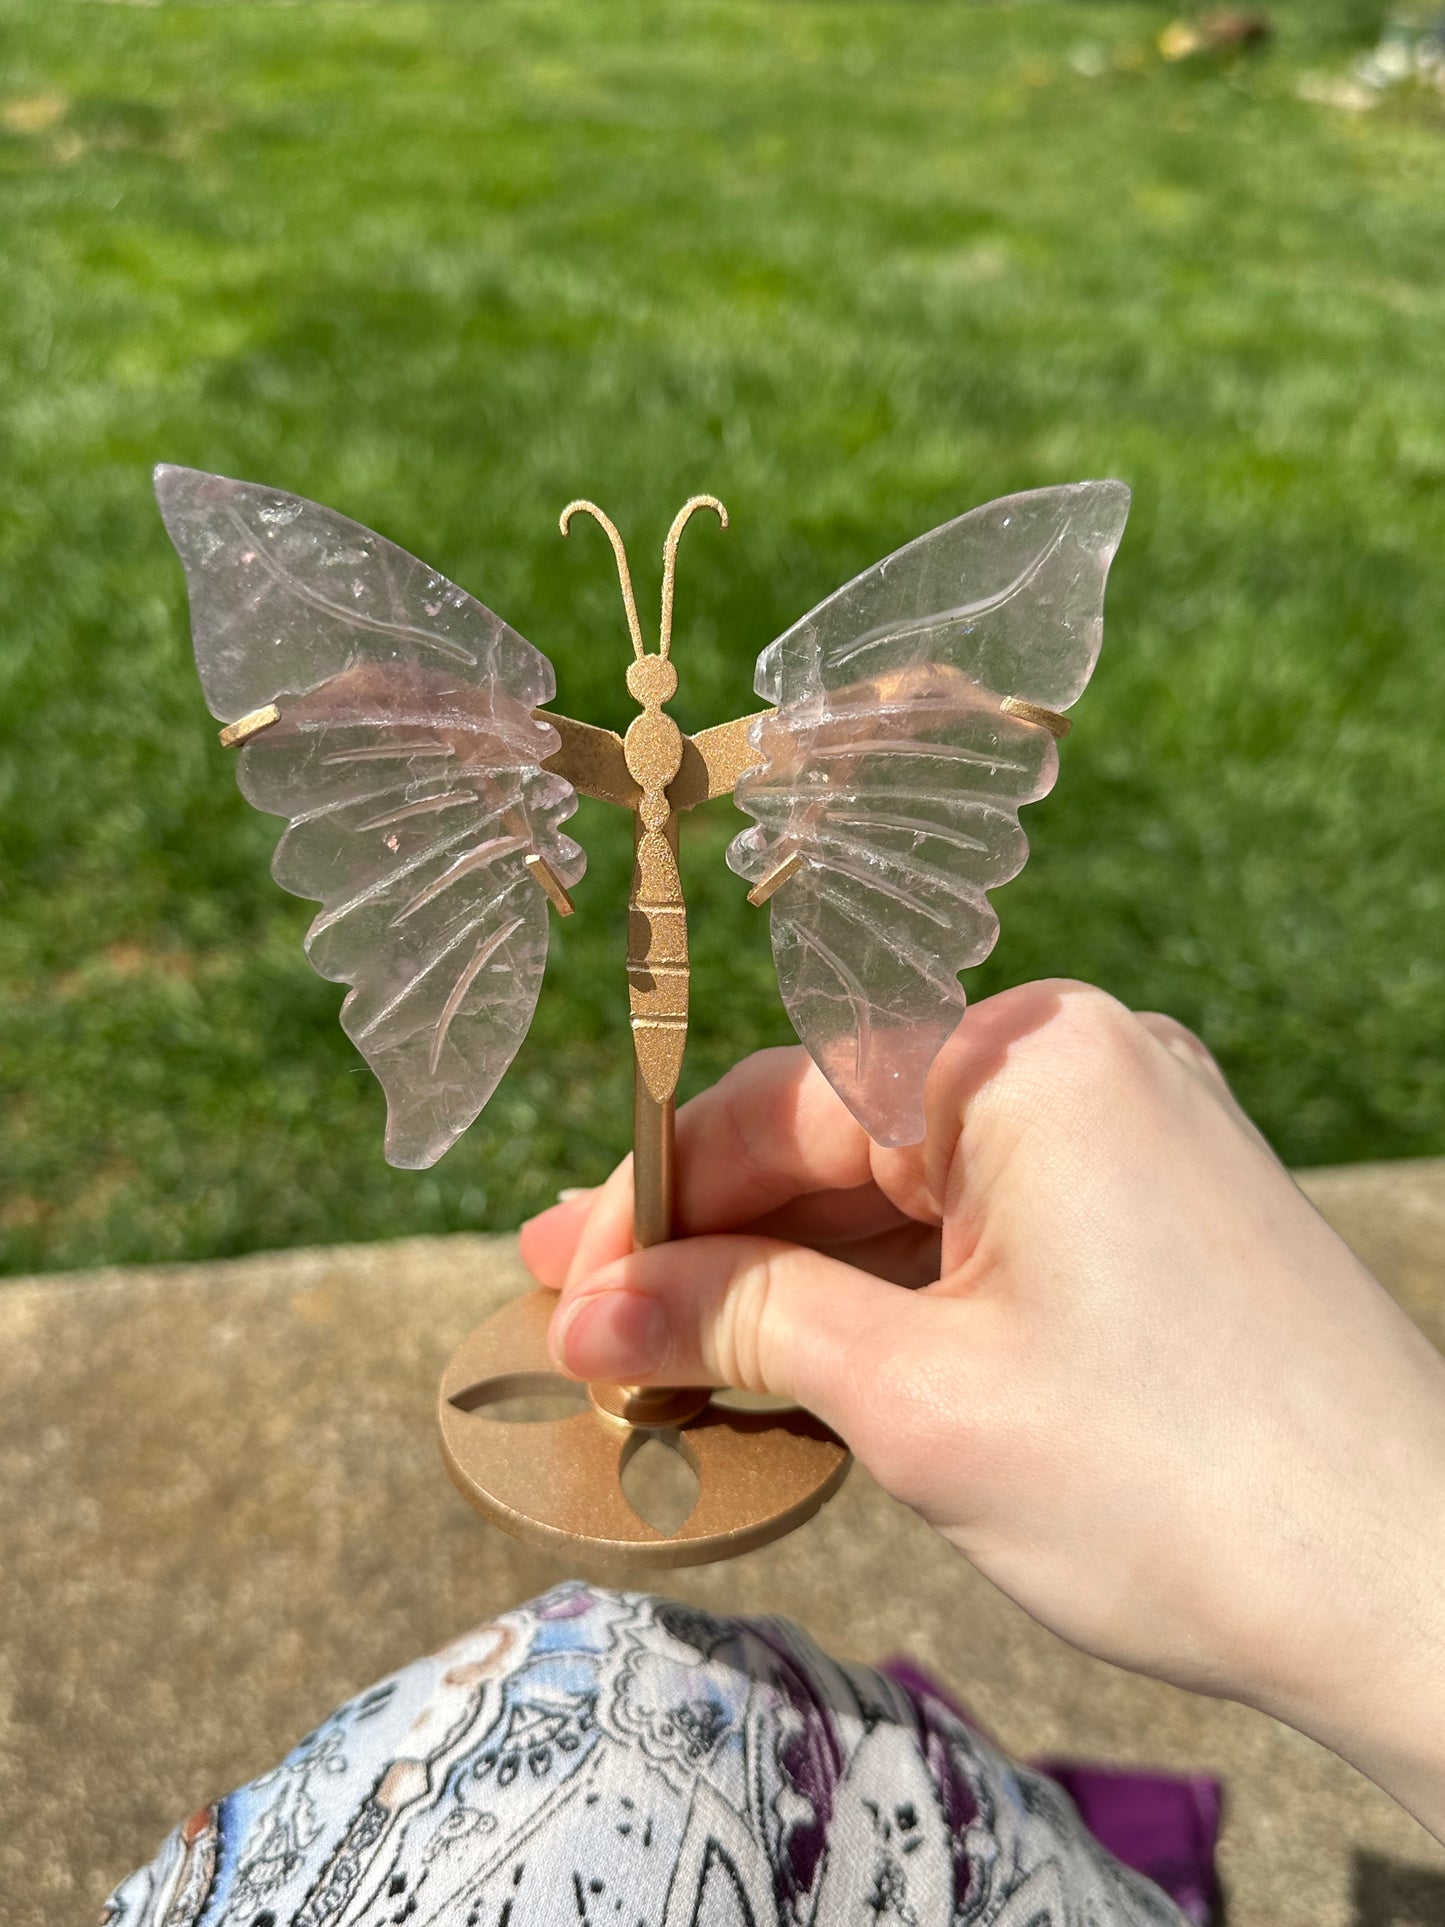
(1143, 1386)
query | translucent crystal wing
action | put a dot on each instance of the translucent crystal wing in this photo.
(407, 762)
(892, 767)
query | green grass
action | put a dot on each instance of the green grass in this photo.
(854, 267)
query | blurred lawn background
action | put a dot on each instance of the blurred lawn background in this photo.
(854, 267)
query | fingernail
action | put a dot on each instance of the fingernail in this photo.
(569, 1192)
(613, 1334)
(563, 1197)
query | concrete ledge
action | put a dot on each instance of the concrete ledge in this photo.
(222, 1510)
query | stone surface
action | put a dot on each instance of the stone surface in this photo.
(222, 1510)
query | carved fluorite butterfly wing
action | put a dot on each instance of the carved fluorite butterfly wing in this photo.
(893, 769)
(408, 764)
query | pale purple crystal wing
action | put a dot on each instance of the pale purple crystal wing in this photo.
(408, 764)
(892, 768)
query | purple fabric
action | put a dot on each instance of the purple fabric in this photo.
(1163, 1825)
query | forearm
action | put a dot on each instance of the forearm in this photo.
(1370, 1683)
(1410, 1766)
(1389, 1722)
(1394, 1733)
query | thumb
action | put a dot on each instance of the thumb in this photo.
(750, 1312)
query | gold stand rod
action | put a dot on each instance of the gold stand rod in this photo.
(653, 1188)
(654, 1165)
(653, 1185)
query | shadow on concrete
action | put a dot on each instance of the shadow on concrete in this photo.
(1388, 1893)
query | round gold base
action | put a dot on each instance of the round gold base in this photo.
(558, 1481)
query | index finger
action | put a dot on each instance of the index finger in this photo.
(769, 1131)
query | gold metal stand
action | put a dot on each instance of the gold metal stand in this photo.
(559, 1482)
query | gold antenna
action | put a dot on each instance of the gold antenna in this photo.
(669, 561)
(624, 574)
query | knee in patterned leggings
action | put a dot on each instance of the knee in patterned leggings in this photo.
(601, 1757)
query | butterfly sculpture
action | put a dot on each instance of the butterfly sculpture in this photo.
(401, 729)
(399, 726)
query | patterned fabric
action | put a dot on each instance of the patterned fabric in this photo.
(613, 1760)
(1164, 1825)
